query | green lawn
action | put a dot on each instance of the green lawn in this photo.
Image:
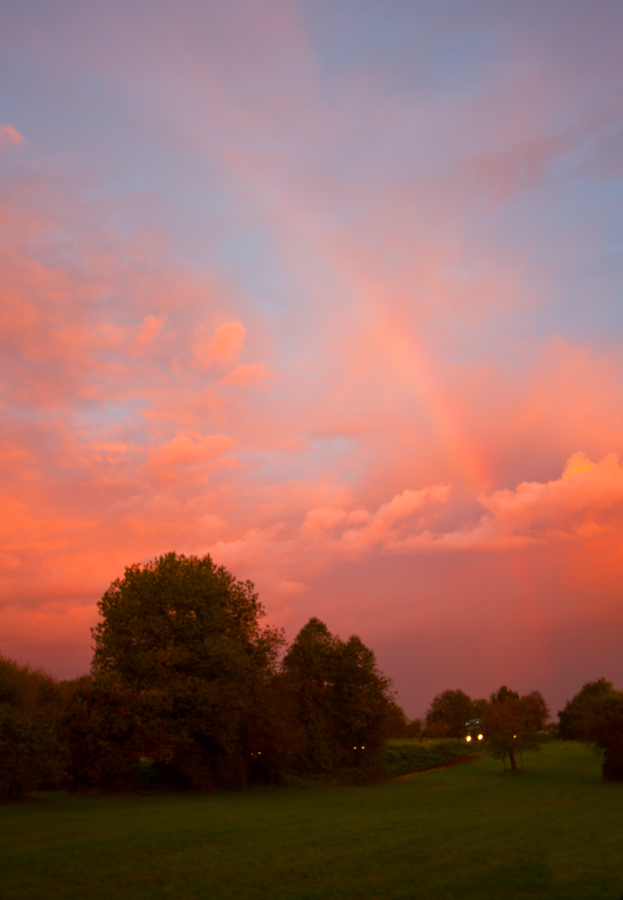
(554, 830)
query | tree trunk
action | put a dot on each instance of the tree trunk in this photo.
(511, 754)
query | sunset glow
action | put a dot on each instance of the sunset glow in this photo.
(332, 291)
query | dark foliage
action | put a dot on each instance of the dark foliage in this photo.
(342, 701)
(31, 755)
(607, 733)
(511, 724)
(184, 635)
(107, 728)
(579, 717)
(448, 713)
(419, 757)
(398, 726)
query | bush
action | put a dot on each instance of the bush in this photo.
(403, 760)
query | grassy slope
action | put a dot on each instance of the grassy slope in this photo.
(554, 830)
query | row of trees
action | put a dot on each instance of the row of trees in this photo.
(187, 686)
(185, 676)
(510, 723)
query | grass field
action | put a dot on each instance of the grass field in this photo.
(554, 830)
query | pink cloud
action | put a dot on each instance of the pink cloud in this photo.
(579, 503)
(584, 502)
(185, 450)
(221, 345)
(9, 137)
(247, 374)
(149, 330)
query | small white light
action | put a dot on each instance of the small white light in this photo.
(468, 738)
(479, 737)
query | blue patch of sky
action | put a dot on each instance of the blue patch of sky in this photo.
(334, 454)
(100, 416)
(411, 46)
(568, 240)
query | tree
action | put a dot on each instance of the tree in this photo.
(511, 724)
(449, 712)
(186, 633)
(31, 754)
(106, 728)
(361, 697)
(536, 709)
(415, 728)
(595, 715)
(579, 717)
(607, 733)
(396, 723)
(342, 700)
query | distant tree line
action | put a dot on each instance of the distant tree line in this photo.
(188, 689)
(510, 724)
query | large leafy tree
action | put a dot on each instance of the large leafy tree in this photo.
(185, 634)
(449, 712)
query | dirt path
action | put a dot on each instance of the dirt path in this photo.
(454, 762)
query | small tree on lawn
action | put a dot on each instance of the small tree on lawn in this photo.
(511, 724)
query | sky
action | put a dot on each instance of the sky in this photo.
(331, 290)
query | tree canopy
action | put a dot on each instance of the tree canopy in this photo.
(181, 617)
(186, 635)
